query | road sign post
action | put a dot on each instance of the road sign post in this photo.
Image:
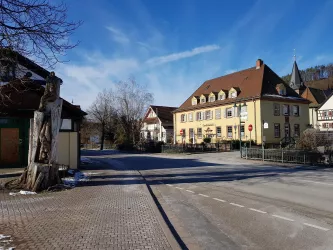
(250, 128)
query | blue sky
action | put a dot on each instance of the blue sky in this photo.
(173, 46)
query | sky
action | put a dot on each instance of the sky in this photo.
(173, 46)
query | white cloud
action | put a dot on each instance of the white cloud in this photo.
(118, 36)
(182, 55)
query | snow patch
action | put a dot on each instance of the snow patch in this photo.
(22, 192)
(73, 181)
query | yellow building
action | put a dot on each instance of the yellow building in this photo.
(226, 107)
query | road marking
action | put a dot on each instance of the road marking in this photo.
(169, 185)
(179, 188)
(219, 200)
(281, 217)
(259, 211)
(161, 182)
(235, 204)
(189, 191)
(317, 182)
(314, 226)
(203, 195)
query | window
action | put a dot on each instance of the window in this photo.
(324, 125)
(191, 133)
(212, 99)
(217, 113)
(190, 117)
(209, 115)
(163, 134)
(296, 110)
(194, 101)
(286, 109)
(233, 94)
(199, 132)
(218, 132)
(229, 112)
(203, 100)
(221, 96)
(287, 130)
(282, 92)
(277, 130)
(276, 109)
(242, 130)
(296, 130)
(66, 124)
(199, 116)
(183, 118)
(229, 131)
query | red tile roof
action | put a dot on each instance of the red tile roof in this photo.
(249, 83)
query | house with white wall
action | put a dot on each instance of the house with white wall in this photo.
(158, 124)
(325, 115)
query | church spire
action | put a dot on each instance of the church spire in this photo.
(296, 82)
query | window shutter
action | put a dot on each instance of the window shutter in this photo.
(225, 113)
(185, 118)
(211, 114)
(203, 114)
(232, 112)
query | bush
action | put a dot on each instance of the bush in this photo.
(207, 140)
(125, 146)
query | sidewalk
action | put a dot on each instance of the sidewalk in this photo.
(113, 210)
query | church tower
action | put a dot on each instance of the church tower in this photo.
(296, 82)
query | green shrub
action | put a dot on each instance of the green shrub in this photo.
(207, 140)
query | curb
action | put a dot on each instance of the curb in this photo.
(170, 232)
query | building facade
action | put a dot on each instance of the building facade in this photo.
(23, 95)
(252, 104)
(158, 124)
(325, 115)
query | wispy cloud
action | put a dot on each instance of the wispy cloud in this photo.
(118, 35)
(182, 55)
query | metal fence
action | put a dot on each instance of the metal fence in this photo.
(207, 147)
(282, 155)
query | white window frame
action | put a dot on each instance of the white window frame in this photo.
(233, 94)
(183, 118)
(229, 134)
(296, 110)
(231, 111)
(222, 97)
(199, 134)
(194, 102)
(286, 110)
(203, 100)
(218, 113)
(277, 109)
(212, 99)
(217, 133)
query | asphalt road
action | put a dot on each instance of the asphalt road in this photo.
(218, 201)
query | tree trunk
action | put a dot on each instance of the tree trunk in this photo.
(102, 137)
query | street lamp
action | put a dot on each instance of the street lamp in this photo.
(240, 124)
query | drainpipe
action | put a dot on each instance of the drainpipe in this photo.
(174, 128)
(255, 120)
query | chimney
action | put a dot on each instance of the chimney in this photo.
(259, 62)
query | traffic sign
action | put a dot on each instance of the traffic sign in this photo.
(181, 132)
(265, 124)
(250, 127)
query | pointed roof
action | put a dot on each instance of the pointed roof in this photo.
(315, 96)
(296, 81)
(164, 113)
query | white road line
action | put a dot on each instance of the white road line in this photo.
(259, 211)
(235, 204)
(314, 226)
(317, 182)
(219, 200)
(281, 217)
(189, 191)
(179, 188)
(161, 182)
(203, 195)
(169, 185)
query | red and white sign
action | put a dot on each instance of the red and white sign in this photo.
(181, 132)
(250, 127)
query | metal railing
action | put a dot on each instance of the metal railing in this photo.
(207, 147)
(282, 155)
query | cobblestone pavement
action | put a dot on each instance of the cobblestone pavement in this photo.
(113, 210)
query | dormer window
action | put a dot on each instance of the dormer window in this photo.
(221, 96)
(282, 92)
(203, 100)
(281, 89)
(233, 94)
(194, 101)
(212, 99)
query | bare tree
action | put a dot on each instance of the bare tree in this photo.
(132, 100)
(101, 111)
(36, 28)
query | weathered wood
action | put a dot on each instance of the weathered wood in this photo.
(56, 123)
(38, 122)
(38, 182)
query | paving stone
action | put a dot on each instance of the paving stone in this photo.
(107, 212)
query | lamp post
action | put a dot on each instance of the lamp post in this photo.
(240, 124)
